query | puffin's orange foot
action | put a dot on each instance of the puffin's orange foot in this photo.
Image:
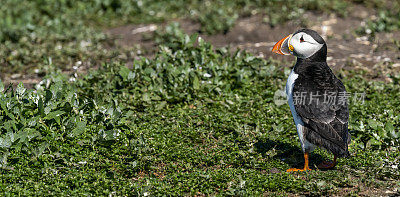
(296, 169)
(327, 165)
(305, 165)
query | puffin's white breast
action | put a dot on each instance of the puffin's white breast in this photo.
(305, 145)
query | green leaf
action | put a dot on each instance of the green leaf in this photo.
(1, 86)
(374, 142)
(373, 124)
(40, 149)
(389, 127)
(160, 105)
(41, 108)
(48, 96)
(5, 142)
(54, 115)
(108, 135)
(196, 84)
(79, 129)
(27, 134)
(146, 97)
(390, 130)
(3, 158)
(10, 126)
(32, 133)
(124, 72)
(20, 89)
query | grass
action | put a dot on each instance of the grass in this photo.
(221, 135)
(192, 120)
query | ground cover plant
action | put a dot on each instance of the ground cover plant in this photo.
(191, 120)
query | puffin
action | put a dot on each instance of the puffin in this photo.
(316, 97)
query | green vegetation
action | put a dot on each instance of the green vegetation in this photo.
(191, 120)
(387, 19)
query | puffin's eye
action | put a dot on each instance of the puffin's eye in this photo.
(301, 39)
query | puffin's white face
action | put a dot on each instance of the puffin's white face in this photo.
(301, 45)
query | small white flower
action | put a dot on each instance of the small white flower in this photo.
(207, 75)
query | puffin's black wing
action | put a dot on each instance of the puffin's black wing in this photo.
(323, 111)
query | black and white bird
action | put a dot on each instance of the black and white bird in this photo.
(317, 98)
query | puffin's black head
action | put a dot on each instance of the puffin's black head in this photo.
(304, 44)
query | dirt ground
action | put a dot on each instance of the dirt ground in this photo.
(346, 50)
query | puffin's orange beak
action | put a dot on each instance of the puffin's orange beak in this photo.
(283, 47)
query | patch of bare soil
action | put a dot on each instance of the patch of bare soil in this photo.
(346, 50)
